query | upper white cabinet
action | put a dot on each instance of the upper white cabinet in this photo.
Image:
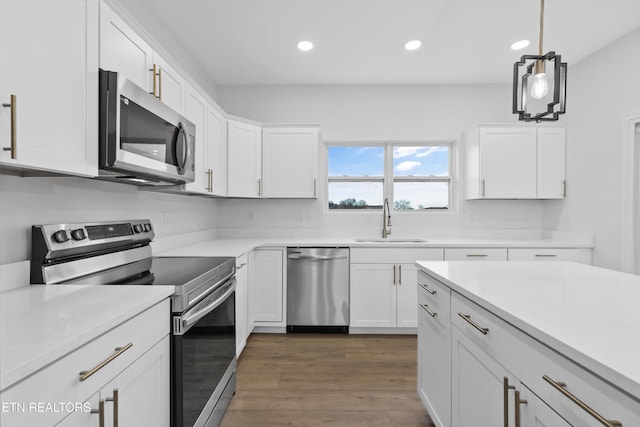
(123, 50)
(244, 159)
(216, 151)
(515, 163)
(49, 85)
(290, 161)
(196, 112)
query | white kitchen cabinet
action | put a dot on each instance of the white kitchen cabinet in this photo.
(383, 294)
(244, 159)
(268, 288)
(475, 254)
(242, 300)
(49, 85)
(196, 112)
(132, 357)
(216, 151)
(290, 161)
(515, 163)
(124, 50)
(550, 254)
(434, 349)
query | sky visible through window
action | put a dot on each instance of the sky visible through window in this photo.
(368, 163)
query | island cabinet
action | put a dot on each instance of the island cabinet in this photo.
(290, 161)
(49, 86)
(119, 378)
(499, 375)
(515, 163)
(244, 159)
(382, 288)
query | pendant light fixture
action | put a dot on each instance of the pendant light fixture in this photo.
(539, 83)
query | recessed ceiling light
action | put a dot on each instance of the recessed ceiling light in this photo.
(520, 45)
(413, 44)
(305, 45)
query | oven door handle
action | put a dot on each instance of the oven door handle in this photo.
(202, 309)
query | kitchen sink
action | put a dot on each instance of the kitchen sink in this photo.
(390, 240)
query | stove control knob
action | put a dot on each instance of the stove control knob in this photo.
(147, 228)
(137, 228)
(78, 234)
(60, 236)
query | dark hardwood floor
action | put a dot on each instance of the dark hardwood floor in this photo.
(322, 380)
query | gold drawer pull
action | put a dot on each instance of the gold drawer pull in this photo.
(561, 388)
(100, 412)
(118, 351)
(467, 318)
(426, 288)
(431, 313)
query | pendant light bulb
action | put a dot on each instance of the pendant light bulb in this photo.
(540, 86)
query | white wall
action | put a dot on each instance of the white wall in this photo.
(601, 91)
(376, 113)
(28, 201)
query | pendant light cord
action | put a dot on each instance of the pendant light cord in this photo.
(541, 27)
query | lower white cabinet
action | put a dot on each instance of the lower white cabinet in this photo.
(550, 254)
(384, 294)
(242, 304)
(268, 293)
(132, 358)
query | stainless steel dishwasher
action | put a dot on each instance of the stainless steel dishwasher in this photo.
(318, 290)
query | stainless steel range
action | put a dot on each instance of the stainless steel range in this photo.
(203, 360)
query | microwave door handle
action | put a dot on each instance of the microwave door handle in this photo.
(188, 321)
(182, 138)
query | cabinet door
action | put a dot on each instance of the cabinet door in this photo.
(269, 285)
(244, 163)
(477, 389)
(551, 167)
(251, 292)
(434, 363)
(372, 295)
(536, 413)
(170, 85)
(142, 391)
(290, 162)
(407, 296)
(50, 66)
(241, 305)
(123, 50)
(508, 163)
(196, 112)
(216, 151)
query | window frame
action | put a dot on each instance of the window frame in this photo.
(388, 179)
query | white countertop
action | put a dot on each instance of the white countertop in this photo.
(41, 323)
(237, 247)
(587, 313)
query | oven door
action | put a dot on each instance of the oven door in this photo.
(204, 358)
(140, 136)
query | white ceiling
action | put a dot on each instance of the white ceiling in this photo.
(253, 42)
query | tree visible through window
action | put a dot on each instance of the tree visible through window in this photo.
(411, 176)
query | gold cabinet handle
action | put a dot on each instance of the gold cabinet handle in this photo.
(505, 397)
(517, 403)
(259, 186)
(100, 412)
(315, 187)
(426, 288)
(477, 255)
(14, 126)
(467, 318)
(561, 387)
(160, 83)
(394, 274)
(483, 188)
(209, 180)
(118, 351)
(114, 399)
(564, 188)
(399, 275)
(426, 308)
(154, 73)
(546, 255)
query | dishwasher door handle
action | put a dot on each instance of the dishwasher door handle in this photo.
(316, 257)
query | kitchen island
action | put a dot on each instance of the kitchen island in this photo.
(522, 342)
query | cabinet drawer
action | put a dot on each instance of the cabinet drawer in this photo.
(394, 255)
(543, 254)
(60, 381)
(436, 297)
(475, 254)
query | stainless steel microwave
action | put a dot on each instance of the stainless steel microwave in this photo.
(142, 141)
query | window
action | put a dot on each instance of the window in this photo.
(412, 176)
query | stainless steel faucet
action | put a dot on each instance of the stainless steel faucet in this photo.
(386, 219)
